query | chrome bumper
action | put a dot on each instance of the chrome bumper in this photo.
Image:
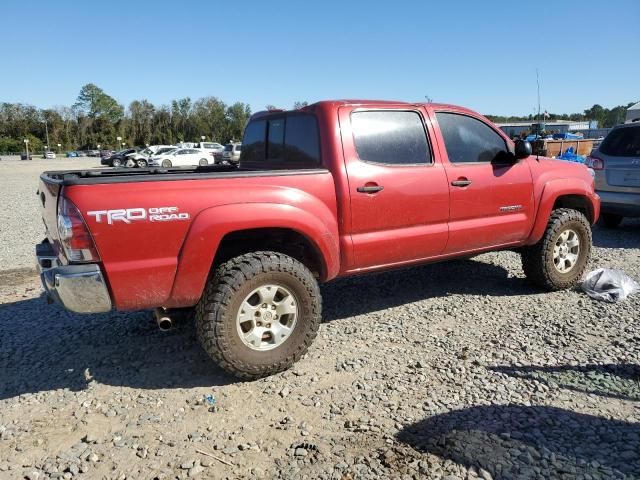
(78, 288)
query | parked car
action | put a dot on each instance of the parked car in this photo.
(72, 154)
(215, 149)
(49, 155)
(118, 159)
(141, 158)
(24, 156)
(180, 157)
(93, 153)
(616, 163)
(232, 152)
(394, 184)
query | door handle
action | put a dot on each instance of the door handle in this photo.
(461, 183)
(370, 189)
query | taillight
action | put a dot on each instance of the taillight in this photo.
(595, 163)
(74, 235)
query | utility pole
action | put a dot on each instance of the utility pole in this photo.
(46, 130)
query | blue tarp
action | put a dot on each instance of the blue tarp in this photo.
(567, 136)
(571, 156)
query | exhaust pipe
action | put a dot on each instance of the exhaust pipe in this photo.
(164, 321)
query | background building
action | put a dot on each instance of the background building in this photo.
(515, 129)
(633, 113)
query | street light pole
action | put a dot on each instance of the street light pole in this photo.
(26, 145)
(59, 145)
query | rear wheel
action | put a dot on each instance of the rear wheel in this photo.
(130, 163)
(142, 163)
(116, 162)
(166, 163)
(559, 259)
(611, 220)
(259, 314)
(203, 162)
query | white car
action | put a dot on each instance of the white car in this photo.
(180, 157)
(215, 149)
(49, 155)
(141, 159)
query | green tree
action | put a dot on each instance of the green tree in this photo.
(93, 103)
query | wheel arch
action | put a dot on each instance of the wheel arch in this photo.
(223, 232)
(564, 193)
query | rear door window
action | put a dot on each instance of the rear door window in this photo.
(622, 142)
(390, 137)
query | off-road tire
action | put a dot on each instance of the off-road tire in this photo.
(611, 220)
(167, 163)
(537, 260)
(228, 286)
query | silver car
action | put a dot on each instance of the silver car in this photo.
(231, 152)
(616, 163)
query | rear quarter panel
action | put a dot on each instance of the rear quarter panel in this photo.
(141, 258)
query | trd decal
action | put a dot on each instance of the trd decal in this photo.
(129, 215)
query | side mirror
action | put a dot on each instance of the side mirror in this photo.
(523, 149)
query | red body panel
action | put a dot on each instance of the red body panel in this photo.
(418, 216)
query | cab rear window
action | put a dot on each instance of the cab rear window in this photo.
(282, 142)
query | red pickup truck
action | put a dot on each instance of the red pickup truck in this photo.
(333, 189)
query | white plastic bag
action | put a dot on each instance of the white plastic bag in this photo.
(609, 285)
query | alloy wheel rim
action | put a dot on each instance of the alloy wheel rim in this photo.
(566, 251)
(267, 317)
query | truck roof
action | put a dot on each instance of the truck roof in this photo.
(365, 103)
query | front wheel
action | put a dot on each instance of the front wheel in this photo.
(203, 162)
(259, 314)
(142, 163)
(166, 163)
(130, 163)
(116, 162)
(559, 259)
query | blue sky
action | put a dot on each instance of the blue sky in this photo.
(478, 54)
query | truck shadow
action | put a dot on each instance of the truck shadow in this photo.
(359, 295)
(627, 235)
(43, 347)
(512, 441)
(611, 380)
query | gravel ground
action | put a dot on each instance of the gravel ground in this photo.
(454, 370)
(20, 219)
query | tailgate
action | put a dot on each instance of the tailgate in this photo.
(623, 171)
(49, 191)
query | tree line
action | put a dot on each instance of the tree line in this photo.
(98, 119)
(606, 117)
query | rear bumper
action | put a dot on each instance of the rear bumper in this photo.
(620, 203)
(78, 288)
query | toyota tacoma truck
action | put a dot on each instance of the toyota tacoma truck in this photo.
(333, 189)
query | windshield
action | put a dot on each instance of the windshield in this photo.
(146, 151)
(228, 148)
